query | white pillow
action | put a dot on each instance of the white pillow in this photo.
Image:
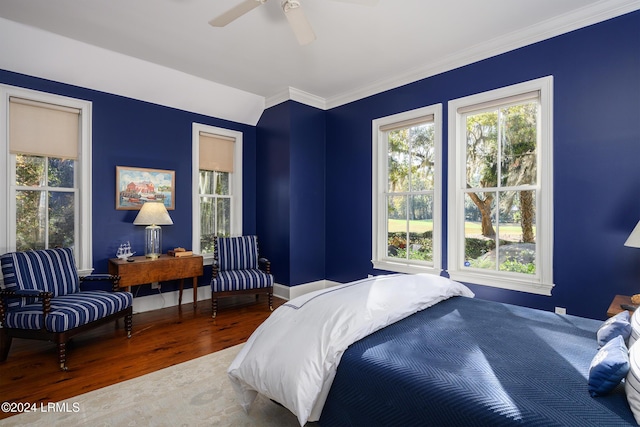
(635, 328)
(632, 382)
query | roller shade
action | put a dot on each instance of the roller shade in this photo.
(495, 103)
(216, 152)
(41, 129)
(407, 123)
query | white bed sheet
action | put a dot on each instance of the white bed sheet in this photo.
(293, 356)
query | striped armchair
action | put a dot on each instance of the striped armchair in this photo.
(237, 270)
(41, 299)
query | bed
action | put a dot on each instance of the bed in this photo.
(420, 350)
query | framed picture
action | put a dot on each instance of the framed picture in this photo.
(135, 186)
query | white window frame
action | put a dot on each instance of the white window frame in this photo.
(235, 183)
(83, 246)
(379, 237)
(542, 281)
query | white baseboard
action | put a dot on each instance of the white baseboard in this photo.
(170, 299)
(291, 292)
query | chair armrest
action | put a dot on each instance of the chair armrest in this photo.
(103, 277)
(215, 268)
(264, 265)
(26, 293)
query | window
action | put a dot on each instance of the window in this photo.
(217, 165)
(48, 156)
(406, 191)
(500, 188)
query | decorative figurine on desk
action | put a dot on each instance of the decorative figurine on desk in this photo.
(124, 251)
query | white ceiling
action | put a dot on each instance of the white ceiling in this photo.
(360, 50)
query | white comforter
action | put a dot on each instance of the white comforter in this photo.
(293, 356)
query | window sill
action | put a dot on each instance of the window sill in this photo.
(402, 267)
(207, 259)
(512, 283)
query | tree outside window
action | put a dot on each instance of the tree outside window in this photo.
(45, 202)
(501, 155)
(215, 207)
(411, 160)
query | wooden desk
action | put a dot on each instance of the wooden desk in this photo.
(615, 308)
(146, 270)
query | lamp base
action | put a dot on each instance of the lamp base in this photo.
(152, 241)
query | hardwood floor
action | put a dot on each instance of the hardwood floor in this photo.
(104, 356)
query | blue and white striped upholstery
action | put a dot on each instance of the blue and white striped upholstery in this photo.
(241, 279)
(69, 311)
(237, 259)
(54, 271)
(49, 270)
(237, 253)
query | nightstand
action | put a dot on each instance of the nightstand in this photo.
(615, 308)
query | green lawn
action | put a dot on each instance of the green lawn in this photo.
(398, 225)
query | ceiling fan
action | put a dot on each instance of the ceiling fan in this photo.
(292, 10)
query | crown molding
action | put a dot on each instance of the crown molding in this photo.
(588, 15)
(293, 94)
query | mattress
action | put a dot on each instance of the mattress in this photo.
(466, 362)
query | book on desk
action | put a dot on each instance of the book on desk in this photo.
(179, 252)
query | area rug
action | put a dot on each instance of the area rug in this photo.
(193, 393)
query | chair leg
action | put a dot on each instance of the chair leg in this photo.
(62, 355)
(128, 322)
(214, 306)
(271, 301)
(5, 344)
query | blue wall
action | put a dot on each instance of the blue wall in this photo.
(596, 74)
(128, 132)
(291, 193)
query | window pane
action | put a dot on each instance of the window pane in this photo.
(61, 219)
(482, 150)
(422, 157)
(518, 140)
(61, 173)
(31, 207)
(207, 229)
(205, 182)
(517, 232)
(398, 160)
(222, 184)
(479, 231)
(223, 216)
(30, 171)
(421, 228)
(397, 226)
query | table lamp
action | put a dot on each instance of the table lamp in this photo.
(153, 214)
(633, 240)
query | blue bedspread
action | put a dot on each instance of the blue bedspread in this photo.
(469, 362)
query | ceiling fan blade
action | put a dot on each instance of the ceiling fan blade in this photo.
(298, 22)
(235, 12)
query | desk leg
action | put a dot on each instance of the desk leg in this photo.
(180, 295)
(195, 292)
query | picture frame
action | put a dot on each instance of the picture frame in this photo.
(136, 186)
